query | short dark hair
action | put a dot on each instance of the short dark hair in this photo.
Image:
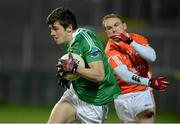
(64, 16)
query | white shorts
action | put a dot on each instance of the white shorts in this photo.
(129, 105)
(85, 112)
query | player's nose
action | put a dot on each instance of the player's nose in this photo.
(114, 31)
(52, 33)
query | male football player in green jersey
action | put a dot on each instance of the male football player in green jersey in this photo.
(86, 99)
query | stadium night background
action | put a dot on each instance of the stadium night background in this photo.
(28, 85)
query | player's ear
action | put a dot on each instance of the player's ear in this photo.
(125, 25)
(69, 29)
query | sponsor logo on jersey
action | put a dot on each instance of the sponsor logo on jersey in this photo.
(136, 78)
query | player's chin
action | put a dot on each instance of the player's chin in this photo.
(113, 34)
(58, 42)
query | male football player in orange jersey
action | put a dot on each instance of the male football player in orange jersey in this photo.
(129, 55)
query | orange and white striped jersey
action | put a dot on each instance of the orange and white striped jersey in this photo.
(121, 53)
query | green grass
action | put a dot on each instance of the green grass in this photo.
(39, 114)
(24, 114)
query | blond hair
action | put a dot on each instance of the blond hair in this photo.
(112, 15)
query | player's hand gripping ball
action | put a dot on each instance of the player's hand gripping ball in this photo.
(67, 66)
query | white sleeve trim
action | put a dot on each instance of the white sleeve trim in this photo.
(127, 76)
(115, 59)
(146, 52)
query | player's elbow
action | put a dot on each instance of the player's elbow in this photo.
(152, 58)
(152, 55)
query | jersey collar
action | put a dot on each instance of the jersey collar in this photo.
(74, 35)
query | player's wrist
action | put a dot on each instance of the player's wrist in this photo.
(79, 69)
(75, 67)
(129, 41)
(150, 83)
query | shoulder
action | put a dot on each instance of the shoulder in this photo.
(86, 35)
(85, 32)
(108, 46)
(111, 45)
(139, 38)
(83, 36)
(90, 39)
(111, 48)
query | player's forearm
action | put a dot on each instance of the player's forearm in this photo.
(127, 76)
(95, 75)
(145, 52)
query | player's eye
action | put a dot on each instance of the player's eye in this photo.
(55, 28)
(108, 28)
(116, 24)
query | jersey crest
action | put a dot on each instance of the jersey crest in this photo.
(94, 52)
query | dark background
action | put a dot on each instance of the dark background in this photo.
(28, 55)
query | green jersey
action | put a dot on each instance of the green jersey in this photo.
(90, 48)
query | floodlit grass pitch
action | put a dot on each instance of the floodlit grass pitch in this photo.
(39, 114)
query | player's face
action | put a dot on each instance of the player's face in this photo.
(114, 26)
(59, 34)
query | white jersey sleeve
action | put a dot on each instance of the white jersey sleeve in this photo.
(146, 52)
(127, 76)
